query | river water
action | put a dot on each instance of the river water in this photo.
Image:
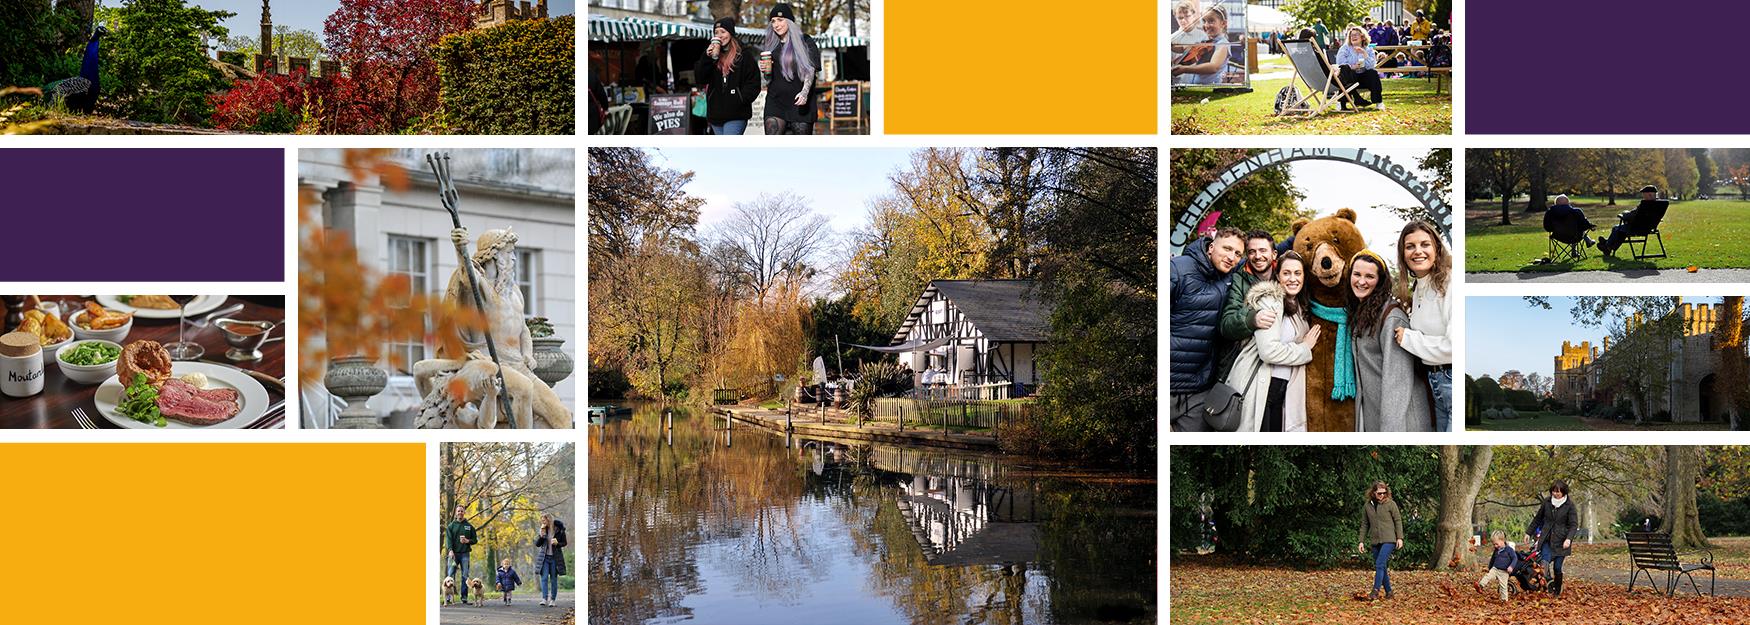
(702, 527)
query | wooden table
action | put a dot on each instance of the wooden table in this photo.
(53, 408)
(1420, 54)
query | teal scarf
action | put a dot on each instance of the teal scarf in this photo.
(1343, 386)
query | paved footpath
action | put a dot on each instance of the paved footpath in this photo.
(1624, 276)
(1722, 587)
(522, 611)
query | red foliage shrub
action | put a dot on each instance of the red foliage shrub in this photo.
(290, 103)
(386, 46)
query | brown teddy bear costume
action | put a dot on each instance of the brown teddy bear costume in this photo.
(1327, 244)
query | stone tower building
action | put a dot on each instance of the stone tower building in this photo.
(495, 12)
(1690, 394)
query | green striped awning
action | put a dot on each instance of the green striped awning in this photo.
(607, 29)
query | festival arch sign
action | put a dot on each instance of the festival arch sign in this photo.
(1184, 230)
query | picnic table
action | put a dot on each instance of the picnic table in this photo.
(53, 408)
(1418, 52)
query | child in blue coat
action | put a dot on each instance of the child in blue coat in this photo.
(507, 579)
(1501, 565)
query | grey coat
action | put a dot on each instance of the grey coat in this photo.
(1390, 397)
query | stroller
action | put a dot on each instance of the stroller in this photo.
(1530, 573)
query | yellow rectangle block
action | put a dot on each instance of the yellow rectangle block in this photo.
(1021, 67)
(213, 533)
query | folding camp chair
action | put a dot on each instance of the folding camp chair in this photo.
(1567, 238)
(1324, 89)
(1645, 229)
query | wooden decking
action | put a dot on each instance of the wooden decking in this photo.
(806, 423)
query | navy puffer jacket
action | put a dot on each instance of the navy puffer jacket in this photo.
(1199, 291)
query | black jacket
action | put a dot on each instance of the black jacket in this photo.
(729, 98)
(781, 92)
(1199, 291)
(559, 544)
(1558, 525)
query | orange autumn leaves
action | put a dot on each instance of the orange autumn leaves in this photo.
(1208, 590)
(348, 308)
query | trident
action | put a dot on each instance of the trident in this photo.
(440, 167)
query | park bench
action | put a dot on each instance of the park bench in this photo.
(1652, 551)
(1645, 226)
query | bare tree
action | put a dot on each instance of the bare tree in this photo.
(772, 241)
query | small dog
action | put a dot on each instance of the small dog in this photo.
(449, 590)
(479, 590)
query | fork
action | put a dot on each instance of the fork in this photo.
(84, 420)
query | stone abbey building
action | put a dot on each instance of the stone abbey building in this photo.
(1691, 394)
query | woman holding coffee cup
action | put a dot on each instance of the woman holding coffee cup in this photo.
(790, 58)
(731, 80)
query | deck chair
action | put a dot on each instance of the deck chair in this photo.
(1567, 238)
(1644, 229)
(1324, 89)
(618, 118)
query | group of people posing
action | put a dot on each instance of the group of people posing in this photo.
(1243, 315)
(1550, 536)
(731, 75)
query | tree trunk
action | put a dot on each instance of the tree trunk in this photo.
(1506, 209)
(1461, 476)
(1682, 521)
(1539, 183)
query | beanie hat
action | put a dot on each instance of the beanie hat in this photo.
(782, 9)
(727, 23)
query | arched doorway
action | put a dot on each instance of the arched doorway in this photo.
(1184, 230)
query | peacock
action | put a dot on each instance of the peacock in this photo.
(80, 92)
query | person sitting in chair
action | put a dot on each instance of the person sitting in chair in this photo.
(1356, 67)
(1566, 223)
(1649, 195)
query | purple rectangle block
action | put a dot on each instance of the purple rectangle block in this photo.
(142, 214)
(1605, 67)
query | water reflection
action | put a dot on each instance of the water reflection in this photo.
(758, 532)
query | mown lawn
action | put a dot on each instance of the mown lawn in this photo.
(1544, 421)
(1411, 108)
(1710, 234)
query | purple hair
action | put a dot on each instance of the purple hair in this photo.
(794, 64)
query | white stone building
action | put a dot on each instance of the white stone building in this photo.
(531, 191)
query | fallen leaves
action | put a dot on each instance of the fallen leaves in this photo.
(1210, 589)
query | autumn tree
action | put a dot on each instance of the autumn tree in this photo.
(1730, 370)
(1266, 200)
(1333, 12)
(1545, 169)
(1740, 177)
(816, 16)
(1462, 470)
(386, 48)
(1621, 170)
(1705, 172)
(1511, 380)
(1500, 171)
(1641, 331)
(1681, 175)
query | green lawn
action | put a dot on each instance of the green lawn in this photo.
(1411, 108)
(1703, 233)
(1543, 421)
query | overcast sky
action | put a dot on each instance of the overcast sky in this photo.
(302, 14)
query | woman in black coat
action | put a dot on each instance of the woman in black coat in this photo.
(791, 61)
(731, 78)
(1554, 528)
(550, 558)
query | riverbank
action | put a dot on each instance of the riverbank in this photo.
(807, 423)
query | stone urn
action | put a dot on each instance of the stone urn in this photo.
(356, 379)
(552, 364)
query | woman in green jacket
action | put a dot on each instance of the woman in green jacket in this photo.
(1382, 526)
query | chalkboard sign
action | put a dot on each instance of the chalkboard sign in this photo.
(668, 114)
(847, 100)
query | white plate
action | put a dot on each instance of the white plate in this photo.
(201, 304)
(250, 393)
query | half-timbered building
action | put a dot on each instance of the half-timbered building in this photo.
(976, 333)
